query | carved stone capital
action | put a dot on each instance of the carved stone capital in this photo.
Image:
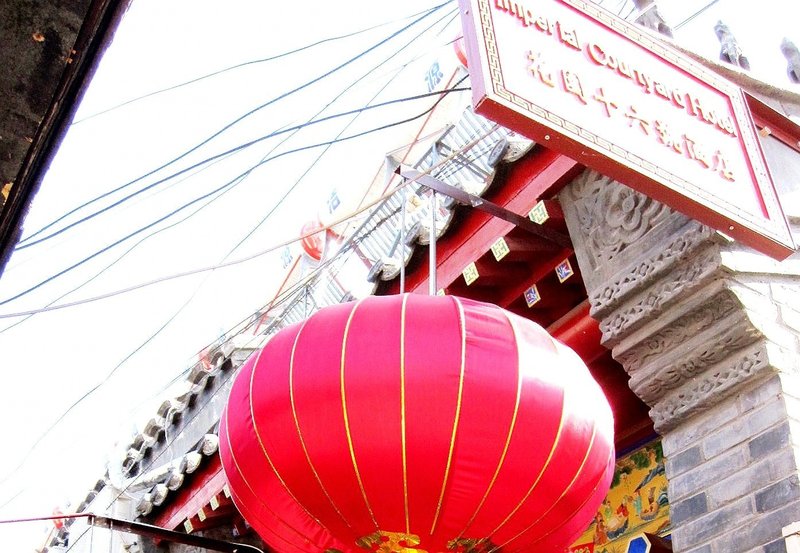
(666, 298)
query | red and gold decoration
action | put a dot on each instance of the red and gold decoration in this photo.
(637, 502)
(417, 424)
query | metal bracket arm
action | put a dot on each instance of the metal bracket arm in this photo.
(486, 206)
(156, 532)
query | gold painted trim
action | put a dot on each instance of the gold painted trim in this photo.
(457, 417)
(542, 471)
(257, 496)
(511, 428)
(264, 449)
(300, 433)
(566, 489)
(346, 418)
(403, 408)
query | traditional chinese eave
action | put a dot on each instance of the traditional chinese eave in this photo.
(200, 503)
(530, 265)
(537, 175)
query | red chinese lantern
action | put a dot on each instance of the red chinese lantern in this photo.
(417, 423)
(313, 243)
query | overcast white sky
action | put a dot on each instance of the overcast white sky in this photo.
(52, 359)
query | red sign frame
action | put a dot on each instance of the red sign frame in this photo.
(527, 59)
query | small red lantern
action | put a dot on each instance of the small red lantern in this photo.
(313, 243)
(417, 423)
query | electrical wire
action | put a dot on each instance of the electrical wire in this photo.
(244, 64)
(313, 164)
(695, 14)
(217, 157)
(216, 190)
(226, 153)
(272, 210)
(122, 256)
(26, 242)
(295, 131)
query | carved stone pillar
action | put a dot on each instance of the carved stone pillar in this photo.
(708, 332)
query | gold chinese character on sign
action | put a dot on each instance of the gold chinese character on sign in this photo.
(634, 118)
(539, 69)
(721, 166)
(572, 84)
(665, 136)
(608, 104)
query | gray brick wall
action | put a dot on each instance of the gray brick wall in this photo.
(733, 471)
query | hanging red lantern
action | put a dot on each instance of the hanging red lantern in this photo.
(417, 423)
(313, 243)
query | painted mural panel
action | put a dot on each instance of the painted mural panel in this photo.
(637, 502)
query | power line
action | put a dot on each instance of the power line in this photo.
(214, 157)
(186, 205)
(120, 257)
(327, 147)
(274, 208)
(295, 131)
(26, 241)
(226, 153)
(695, 14)
(244, 64)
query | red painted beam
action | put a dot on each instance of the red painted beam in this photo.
(580, 332)
(525, 182)
(205, 483)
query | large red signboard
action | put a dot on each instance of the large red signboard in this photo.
(582, 81)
